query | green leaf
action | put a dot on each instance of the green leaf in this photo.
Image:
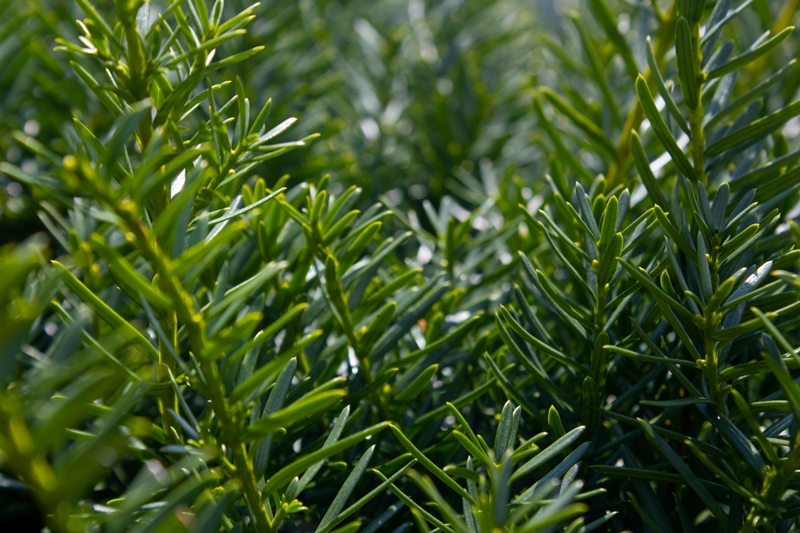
(333, 436)
(650, 504)
(643, 166)
(596, 72)
(584, 123)
(427, 463)
(686, 473)
(548, 453)
(452, 337)
(344, 492)
(608, 21)
(608, 264)
(765, 445)
(503, 433)
(108, 98)
(124, 127)
(651, 358)
(652, 475)
(738, 441)
(427, 486)
(264, 375)
(205, 45)
(564, 153)
(591, 399)
(474, 449)
(415, 506)
(687, 63)
(211, 517)
(418, 385)
(234, 297)
(563, 467)
(223, 339)
(337, 300)
(667, 304)
(274, 403)
(686, 522)
(369, 496)
(384, 517)
(291, 470)
(730, 482)
(27, 178)
(465, 427)
(80, 468)
(377, 326)
(675, 235)
(663, 91)
(749, 57)
(509, 387)
(751, 95)
(609, 227)
(554, 423)
(240, 212)
(99, 22)
(696, 12)
(703, 267)
(539, 345)
(669, 404)
(405, 323)
(776, 363)
(108, 315)
(55, 417)
(661, 130)
(339, 227)
(304, 408)
(466, 399)
(648, 519)
(126, 273)
(345, 199)
(535, 368)
(755, 129)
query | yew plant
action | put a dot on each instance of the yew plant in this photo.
(197, 342)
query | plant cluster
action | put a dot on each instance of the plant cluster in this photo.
(203, 342)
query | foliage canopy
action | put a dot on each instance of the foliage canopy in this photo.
(510, 271)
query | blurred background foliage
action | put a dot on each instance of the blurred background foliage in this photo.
(412, 98)
(416, 99)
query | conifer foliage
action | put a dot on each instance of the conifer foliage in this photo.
(597, 336)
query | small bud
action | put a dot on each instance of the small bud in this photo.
(70, 162)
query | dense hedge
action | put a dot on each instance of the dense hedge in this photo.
(515, 268)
